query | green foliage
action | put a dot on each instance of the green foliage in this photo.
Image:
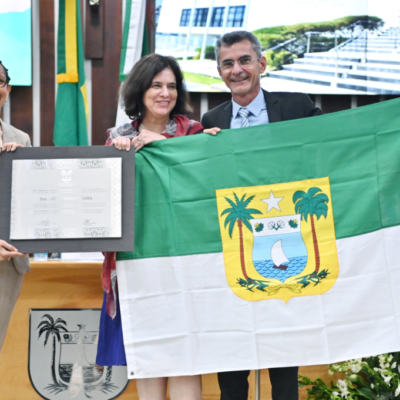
(238, 211)
(209, 53)
(312, 278)
(270, 37)
(251, 284)
(370, 378)
(202, 79)
(311, 203)
(293, 223)
(259, 227)
(275, 59)
(197, 56)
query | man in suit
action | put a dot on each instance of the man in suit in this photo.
(240, 64)
(13, 265)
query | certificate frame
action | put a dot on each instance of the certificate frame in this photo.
(124, 243)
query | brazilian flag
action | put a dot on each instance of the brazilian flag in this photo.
(135, 40)
(72, 111)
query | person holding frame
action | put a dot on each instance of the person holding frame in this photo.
(13, 265)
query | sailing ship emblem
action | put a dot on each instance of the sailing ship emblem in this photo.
(284, 250)
(62, 359)
(279, 251)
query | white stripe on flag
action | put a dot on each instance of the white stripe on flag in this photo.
(133, 46)
(180, 317)
(135, 37)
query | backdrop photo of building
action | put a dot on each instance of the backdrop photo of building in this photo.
(313, 46)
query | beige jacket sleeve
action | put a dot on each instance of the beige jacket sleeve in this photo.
(12, 134)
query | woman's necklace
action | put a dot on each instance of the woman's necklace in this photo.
(165, 129)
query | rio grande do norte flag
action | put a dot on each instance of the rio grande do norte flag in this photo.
(72, 109)
(268, 246)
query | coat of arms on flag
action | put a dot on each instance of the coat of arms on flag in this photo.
(278, 240)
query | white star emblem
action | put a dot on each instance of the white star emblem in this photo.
(272, 202)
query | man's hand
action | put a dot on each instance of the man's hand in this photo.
(212, 131)
(145, 137)
(10, 146)
(8, 251)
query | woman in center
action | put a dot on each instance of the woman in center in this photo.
(155, 99)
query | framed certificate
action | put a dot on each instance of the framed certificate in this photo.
(67, 199)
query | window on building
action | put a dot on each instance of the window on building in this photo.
(217, 17)
(200, 17)
(185, 17)
(236, 16)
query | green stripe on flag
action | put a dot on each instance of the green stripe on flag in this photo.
(61, 62)
(125, 36)
(176, 211)
(145, 45)
(71, 119)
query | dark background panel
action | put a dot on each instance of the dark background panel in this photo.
(47, 72)
(365, 100)
(94, 31)
(21, 108)
(195, 102)
(105, 73)
(215, 99)
(334, 102)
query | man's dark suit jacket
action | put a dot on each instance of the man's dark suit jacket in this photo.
(281, 106)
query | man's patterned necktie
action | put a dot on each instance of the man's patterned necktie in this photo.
(244, 113)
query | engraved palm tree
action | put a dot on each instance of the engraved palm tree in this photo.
(52, 328)
(239, 214)
(310, 204)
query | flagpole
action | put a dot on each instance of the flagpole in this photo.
(258, 392)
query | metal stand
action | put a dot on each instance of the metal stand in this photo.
(258, 391)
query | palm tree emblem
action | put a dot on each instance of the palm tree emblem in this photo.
(310, 204)
(52, 328)
(239, 214)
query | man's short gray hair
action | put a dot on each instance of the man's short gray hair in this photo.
(235, 37)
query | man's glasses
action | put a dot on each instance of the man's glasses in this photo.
(3, 80)
(243, 62)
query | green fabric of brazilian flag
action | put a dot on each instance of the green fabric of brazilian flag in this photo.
(72, 112)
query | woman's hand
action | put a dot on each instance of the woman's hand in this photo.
(212, 131)
(145, 137)
(11, 146)
(121, 143)
(7, 251)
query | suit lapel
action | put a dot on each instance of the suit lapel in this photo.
(225, 117)
(273, 107)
